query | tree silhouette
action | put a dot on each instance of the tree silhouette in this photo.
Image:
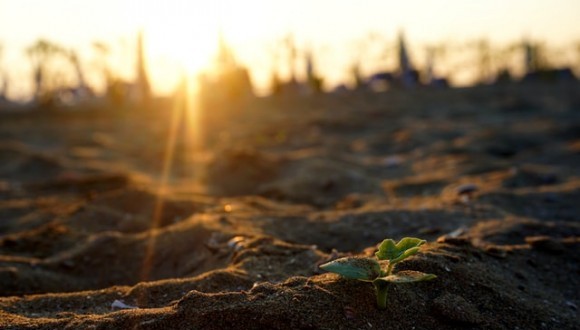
(41, 55)
(143, 85)
(484, 57)
(101, 63)
(4, 79)
(73, 58)
(577, 49)
(372, 48)
(435, 54)
(289, 46)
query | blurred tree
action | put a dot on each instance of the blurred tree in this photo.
(229, 81)
(143, 85)
(577, 49)
(435, 54)
(273, 50)
(313, 80)
(41, 55)
(292, 55)
(358, 51)
(73, 58)
(484, 56)
(371, 53)
(535, 56)
(356, 74)
(503, 60)
(101, 63)
(290, 51)
(114, 86)
(284, 50)
(4, 78)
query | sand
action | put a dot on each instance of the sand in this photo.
(91, 238)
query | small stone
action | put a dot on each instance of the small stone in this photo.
(466, 189)
(392, 161)
(236, 243)
(350, 313)
(118, 304)
(571, 305)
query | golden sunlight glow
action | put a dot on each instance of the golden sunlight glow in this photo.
(182, 37)
(182, 33)
(186, 33)
(191, 56)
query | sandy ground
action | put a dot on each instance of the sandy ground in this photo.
(91, 238)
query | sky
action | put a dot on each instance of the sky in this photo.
(181, 36)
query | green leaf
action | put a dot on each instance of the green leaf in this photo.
(407, 276)
(405, 248)
(364, 269)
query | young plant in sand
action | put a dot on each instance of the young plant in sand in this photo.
(379, 271)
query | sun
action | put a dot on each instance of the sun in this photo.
(188, 47)
(182, 32)
(181, 38)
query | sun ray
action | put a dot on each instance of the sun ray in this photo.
(179, 106)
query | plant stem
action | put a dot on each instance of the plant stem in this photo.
(390, 268)
(381, 288)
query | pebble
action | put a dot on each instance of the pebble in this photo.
(466, 189)
(571, 305)
(118, 304)
(236, 243)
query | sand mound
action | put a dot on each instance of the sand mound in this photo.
(488, 176)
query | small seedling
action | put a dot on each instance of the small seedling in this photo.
(371, 270)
